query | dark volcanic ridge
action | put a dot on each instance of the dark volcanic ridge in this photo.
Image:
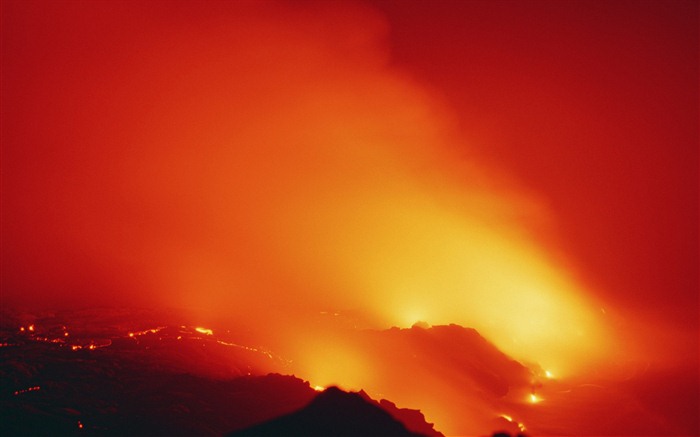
(125, 372)
(332, 413)
(72, 375)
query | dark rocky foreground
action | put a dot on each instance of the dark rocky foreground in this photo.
(69, 377)
(332, 413)
(92, 393)
(107, 372)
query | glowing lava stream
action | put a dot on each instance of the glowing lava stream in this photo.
(520, 425)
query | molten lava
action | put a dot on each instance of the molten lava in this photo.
(204, 331)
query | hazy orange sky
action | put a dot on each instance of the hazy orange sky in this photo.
(593, 105)
(499, 164)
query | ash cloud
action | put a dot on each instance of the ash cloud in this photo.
(229, 158)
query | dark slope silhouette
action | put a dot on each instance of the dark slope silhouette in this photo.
(454, 352)
(113, 372)
(414, 420)
(332, 413)
(453, 375)
(112, 376)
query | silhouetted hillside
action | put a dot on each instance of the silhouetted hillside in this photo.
(332, 413)
(101, 373)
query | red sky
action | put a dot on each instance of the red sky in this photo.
(366, 155)
(594, 106)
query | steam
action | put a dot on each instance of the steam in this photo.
(246, 156)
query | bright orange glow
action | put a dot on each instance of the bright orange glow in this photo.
(146, 331)
(534, 312)
(31, 328)
(204, 331)
(533, 398)
(349, 370)
(319, 388)
(520, 425)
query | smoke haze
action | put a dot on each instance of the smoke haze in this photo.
(246, 156)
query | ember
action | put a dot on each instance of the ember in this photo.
(204, 331)
(27, 390)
